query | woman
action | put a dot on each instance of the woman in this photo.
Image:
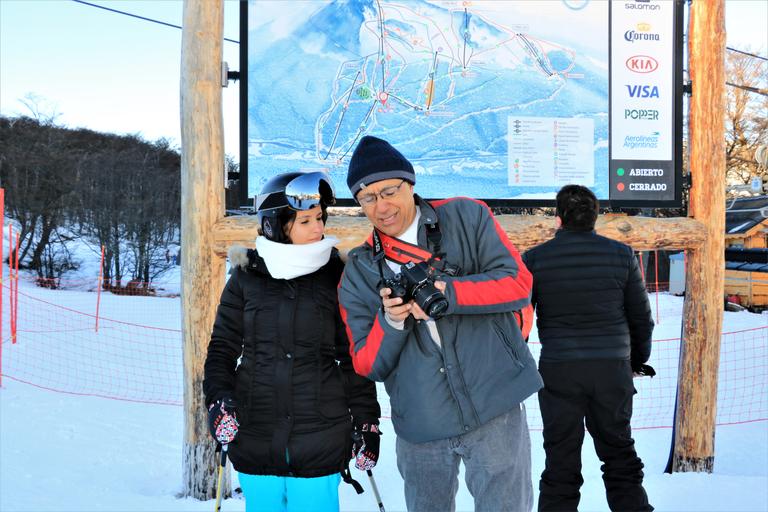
(279, 381)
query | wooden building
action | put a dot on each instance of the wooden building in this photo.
(746, 227)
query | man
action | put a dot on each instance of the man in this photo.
(595, 327)
(456, 384)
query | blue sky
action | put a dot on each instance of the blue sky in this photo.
(102, 70)
(114, 73)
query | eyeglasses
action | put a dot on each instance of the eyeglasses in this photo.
(385, 193)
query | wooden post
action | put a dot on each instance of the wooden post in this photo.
(694, 448)
(202, 206)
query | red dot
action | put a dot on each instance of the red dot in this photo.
(620, 186)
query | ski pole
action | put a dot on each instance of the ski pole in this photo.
(221, 475)
(375, 491)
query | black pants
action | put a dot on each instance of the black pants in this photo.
(599, 392)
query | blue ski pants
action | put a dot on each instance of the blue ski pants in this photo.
(266, 493)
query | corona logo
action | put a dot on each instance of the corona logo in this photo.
(632, 36)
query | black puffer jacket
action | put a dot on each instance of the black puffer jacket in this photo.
(589, 298)
(295, 386)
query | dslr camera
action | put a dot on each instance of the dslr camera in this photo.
(415, 282)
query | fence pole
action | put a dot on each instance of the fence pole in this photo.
(98, 290)
(16, 289)
(10, 278)
(656, 269)
(2, 221)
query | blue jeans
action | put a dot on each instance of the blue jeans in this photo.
(497, 459)
(266, 493)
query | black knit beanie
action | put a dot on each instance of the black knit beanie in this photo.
(375, 160)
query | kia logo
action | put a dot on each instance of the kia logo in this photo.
(642, 64)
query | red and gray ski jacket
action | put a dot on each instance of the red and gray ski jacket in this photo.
(483, 367)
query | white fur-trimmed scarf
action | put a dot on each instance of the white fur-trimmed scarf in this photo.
(288, 261)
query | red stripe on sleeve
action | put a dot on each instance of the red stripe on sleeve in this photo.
(508, 289)
(363, 359)
(487, 293)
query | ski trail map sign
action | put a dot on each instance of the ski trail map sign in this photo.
(505, 101)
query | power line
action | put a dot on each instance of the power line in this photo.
(756, 90)
(746, 53)
(139, 17)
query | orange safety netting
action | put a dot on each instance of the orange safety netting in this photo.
(136, 355)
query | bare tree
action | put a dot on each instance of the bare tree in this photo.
(155, 193)
(122, 192)
(746, 121)
(40, 109)
(35, 162)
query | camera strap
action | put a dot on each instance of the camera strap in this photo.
(397, 250)
(402, 252)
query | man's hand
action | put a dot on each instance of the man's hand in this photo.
(643, 370)
(394, 308)
(398, 312)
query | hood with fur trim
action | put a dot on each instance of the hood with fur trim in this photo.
(246, 259)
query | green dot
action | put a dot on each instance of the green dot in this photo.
(620, 171)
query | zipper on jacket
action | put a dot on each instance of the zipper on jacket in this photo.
(451, 387)
(508, 346)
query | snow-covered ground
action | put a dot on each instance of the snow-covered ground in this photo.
(63, 452)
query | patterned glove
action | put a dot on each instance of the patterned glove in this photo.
(222, 420)
(365, 446)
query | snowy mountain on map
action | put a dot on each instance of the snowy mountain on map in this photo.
(438, 83)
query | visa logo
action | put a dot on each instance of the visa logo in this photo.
(643, 91)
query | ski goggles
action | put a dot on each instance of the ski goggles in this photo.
(303, 192)
(309, 190)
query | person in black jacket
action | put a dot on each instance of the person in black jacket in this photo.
(279, 381)
(595, 327)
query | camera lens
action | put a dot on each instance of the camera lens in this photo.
(437, 308)
(431, 300)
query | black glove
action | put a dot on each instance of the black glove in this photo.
(643, 370)
(222, 420)
(365, 446)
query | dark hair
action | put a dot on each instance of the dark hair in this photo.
(577, 207)
(285, 217)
